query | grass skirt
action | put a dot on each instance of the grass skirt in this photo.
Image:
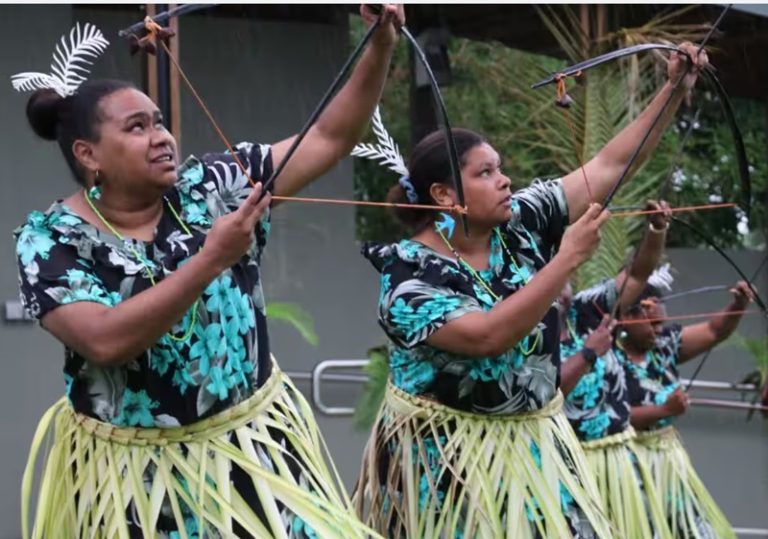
(432, 471)
(256, 468)
(689, 508)
(626, 487)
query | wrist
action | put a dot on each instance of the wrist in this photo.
(568, 260)
(206, 265)
(589, 355)
(658, 230)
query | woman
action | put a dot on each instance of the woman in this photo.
(651, 353)
(593, 381)
(471, 440)
(176, 422)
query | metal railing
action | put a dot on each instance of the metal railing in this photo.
(319, 375)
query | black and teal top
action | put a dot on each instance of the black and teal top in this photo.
(64, 259)
(652, 381)
(422, 290)
(598, 405)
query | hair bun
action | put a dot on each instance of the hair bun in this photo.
(43, 113)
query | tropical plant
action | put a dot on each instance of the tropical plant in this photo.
(295, 316)
(377, 370)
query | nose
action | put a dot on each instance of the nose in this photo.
(162, 137)
(505, 182)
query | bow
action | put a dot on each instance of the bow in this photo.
(155, 34)
(708, 74)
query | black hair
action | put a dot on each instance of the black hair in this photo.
(71, 118)
(429, 164)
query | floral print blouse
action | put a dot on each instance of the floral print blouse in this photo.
(422, 290)
(598, 404)
(656, 378)
(63, 259)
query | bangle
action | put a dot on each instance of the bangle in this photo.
(658, 230)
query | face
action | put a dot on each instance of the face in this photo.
(135, 151)
(486, 188)
(643, 335)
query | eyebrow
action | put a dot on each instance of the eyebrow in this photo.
(142, 114)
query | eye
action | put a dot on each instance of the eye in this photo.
(136, 127)
(159, 123)
(485, 172)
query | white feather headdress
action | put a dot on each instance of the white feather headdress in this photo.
(386, 151)
(662, 278)
(70, 61)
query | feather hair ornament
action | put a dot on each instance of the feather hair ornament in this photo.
(69, 67)
(385, 151)
(662, 278)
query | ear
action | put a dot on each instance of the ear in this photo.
(443, 195)
(85, 156)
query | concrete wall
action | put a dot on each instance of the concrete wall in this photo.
(261, 79)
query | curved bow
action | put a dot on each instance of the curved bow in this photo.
(708, 74)
(153, 29)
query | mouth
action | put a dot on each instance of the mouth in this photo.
(163, 159)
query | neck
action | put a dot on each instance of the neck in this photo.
(633, 350)
(129, 212)
(476, 242)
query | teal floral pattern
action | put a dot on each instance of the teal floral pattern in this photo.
(598, 405)
(653, 380)
(64, 259)
(421, 291)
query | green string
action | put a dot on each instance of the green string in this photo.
(485, 285)
(145, 262)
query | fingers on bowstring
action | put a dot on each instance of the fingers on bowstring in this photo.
(250, 205)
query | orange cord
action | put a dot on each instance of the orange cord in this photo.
(561, 92)
(684, 317)
(675, 210)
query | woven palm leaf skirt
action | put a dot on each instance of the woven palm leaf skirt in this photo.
(432, 471)
(255, 469)
(626, 487)
(689, 508)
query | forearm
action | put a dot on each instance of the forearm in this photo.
(605, 168)
(724, 324)
(515, 317)
(136, 324)
(648, 254)
(643, 417)
(571, 372)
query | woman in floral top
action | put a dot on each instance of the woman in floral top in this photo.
(177, 422)
(471, 440)
(597, 403)
(650, 353)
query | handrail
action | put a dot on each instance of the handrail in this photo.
(317, 377)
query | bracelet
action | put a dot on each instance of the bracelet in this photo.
(658, 230)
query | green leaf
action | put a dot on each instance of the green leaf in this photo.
(295, 316)
(373, 393)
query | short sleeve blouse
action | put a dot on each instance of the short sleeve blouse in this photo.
(421, 291)
(63, 259)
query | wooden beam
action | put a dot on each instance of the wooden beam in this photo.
(150, 64)
(175, 83)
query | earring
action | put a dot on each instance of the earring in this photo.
(447, 223)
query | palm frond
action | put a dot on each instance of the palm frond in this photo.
(377, 370)
(295, 316)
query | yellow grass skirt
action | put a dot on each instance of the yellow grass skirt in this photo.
(99, 480)
(689, 508)
(626, 487)
(435, 472)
